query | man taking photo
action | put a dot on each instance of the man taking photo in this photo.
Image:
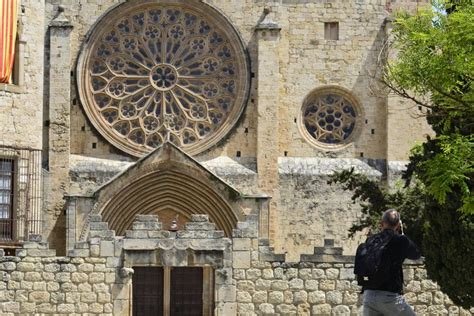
(384, 296)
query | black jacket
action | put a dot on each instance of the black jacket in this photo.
(399, 249)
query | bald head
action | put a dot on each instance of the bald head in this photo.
(390, 219)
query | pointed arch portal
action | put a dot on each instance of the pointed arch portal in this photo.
(167, 190)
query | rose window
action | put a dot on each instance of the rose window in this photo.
(330, 118)
(157, 72)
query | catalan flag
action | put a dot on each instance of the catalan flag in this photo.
(8, 24)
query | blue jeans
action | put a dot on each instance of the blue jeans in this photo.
(382, 303)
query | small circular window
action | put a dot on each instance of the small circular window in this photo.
(329, 117)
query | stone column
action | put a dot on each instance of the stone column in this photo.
(59, 128)
(268, 86)
(71, 223)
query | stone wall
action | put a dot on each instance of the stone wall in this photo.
(286, 67)
(39, 283)
(311, 210)
(304, 60)
(21, 120)
(324, 284)
(91, 285)
(250, 279)
(309, 288)
(21, 104)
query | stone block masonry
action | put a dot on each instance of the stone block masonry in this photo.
(311, 288)
(250, 279)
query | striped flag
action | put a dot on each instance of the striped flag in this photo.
(8, 24)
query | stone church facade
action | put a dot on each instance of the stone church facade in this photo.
(171, 157)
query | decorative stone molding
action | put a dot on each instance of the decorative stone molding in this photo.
(60, 20)
(267, 253)
(126, 272)
(327, 253)
(199, 244)
(167, 180)
(267, 23)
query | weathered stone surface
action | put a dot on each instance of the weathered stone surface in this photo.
(428, 285)
(39, 296)
(66, 308)
(226, 293)
(200, 226)
(85, 267)
(300, 297)
(279, 285)
(79, 277)
(107, 248)
(327, 285)
(154, 226)
(253, 274)
(341, 310)
(263, 284)
(96, 277)
(266, 309)
(241, 243)
(88, 297)
(334, 297)
(137, 244)
(98, 226)
(79, 253)
(321, 309)
(90, 284)
(347, 274)
(275, 297)
(296, 284)
(33, 276)
(166, 234)
(318, 273)
(147, 218)
(25, 266)
(241, 259)
(286, 309)
(316, 297)
(243, 297)
(260, 297)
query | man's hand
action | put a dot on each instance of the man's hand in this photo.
(400, 228)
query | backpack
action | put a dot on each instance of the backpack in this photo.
(372, 261)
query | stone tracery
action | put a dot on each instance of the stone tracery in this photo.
(330, 117)
(164, 71)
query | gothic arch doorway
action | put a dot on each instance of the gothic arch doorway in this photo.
(170, 192)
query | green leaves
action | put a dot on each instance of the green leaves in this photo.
(434, 68)
(435, 58)
(375, 198)
(449, 169)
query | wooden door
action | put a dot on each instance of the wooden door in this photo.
(172, 291)
(148, 291)
(186, 289)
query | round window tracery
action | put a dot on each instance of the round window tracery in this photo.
(163, 71)
(329, 118)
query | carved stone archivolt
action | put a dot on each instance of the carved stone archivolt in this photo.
(169, 70)
(167, 190)
(330, 117)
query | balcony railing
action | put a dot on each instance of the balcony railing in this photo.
(21, 211)
(12, 230)
(7, 227)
